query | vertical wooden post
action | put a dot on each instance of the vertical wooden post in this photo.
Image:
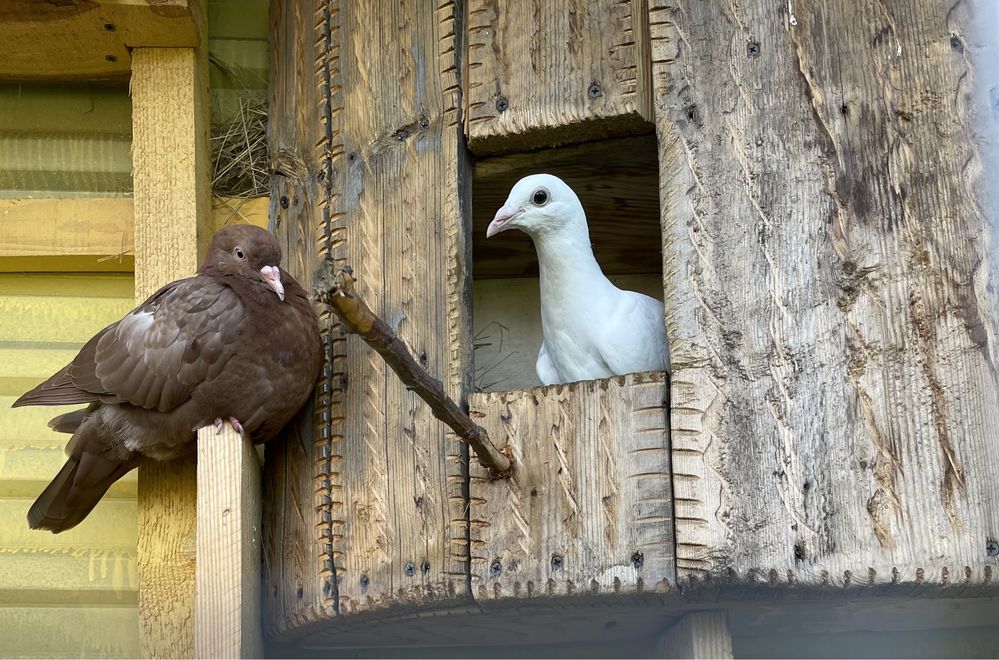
(697, 635)
(171, 181)
(227, 597)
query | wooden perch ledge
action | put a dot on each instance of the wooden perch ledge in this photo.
(336, 289)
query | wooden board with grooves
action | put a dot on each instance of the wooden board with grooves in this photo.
(543, 73)
(828, 283)
(589, 507)
(383, 187)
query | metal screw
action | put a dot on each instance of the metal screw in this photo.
(425, 567)
(502, 104)
(955, 43)
(402, 135)
(752, 49)
(110, 27)
(594, 91)
(364, 582)
(992, 548)
(556, 562)
(111, 58)
(410, 569)
(283, 201)
(424, 122)
(637, 559)
(495, 568)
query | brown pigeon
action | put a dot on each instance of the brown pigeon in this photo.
(239, 342)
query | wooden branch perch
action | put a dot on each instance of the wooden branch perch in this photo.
(336, 289)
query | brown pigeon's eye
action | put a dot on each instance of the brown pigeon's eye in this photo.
(540, 197)
(238, 253)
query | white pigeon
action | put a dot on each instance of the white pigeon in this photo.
(591, 328)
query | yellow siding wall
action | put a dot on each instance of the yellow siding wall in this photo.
(71, 594)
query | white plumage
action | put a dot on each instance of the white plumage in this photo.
(591, 328)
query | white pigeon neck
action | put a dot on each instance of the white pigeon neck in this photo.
(566, 261)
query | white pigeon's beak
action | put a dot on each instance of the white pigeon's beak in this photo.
(502, 220)
(272, 275)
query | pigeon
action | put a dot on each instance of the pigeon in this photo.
(591, 328)
(239, 341)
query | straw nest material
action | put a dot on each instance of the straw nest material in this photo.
(240, 165)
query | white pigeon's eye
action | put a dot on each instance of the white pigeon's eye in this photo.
(238, 253)
(540, 197)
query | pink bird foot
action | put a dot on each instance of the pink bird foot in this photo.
(232, 420)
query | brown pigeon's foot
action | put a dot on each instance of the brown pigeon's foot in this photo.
(232, 420)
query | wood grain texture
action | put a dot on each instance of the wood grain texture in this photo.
(170, 160)
(227, 575)
(588, 509)
(384, 187)
(96, 227)
(697, 635)
(827, 283)
(543, 72)
(92, 39)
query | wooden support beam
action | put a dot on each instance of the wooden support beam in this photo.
(89, 234)
(227, 575)
(91, 39)
(171, 178)
(697, 635)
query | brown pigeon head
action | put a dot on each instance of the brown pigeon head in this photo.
(245, 251)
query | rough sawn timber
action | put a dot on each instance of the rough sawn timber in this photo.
(588, 509)
(828, 287)
(380, 181)
(227, 574)
(172, 200)
(548, 72)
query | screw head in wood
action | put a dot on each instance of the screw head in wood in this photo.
(992, 547)
(410, 569)
(283, 201)
(637, 559)
(752, 49)
(502, 104)
(364, 581)
(594, 91)
(425, 567)
(495, 568)
(557, 562)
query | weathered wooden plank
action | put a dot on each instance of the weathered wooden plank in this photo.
(827, 277)
(227, 574)
(543, 72)
(383, 187)
(589, 507)
(172, 197)
(91, 39)
(697, 635)
(297, 544)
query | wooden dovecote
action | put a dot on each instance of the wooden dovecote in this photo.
(826, 430)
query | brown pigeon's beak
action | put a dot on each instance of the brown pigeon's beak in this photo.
(272, 275)
(502, 219)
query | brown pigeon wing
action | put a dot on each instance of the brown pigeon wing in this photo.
(163, 349)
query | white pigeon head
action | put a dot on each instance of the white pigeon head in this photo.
(538, 204)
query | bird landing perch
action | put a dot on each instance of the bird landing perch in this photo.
(336, 289)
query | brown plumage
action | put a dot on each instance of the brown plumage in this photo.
(238, 341)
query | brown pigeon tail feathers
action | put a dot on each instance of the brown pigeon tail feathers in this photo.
(75, 491)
